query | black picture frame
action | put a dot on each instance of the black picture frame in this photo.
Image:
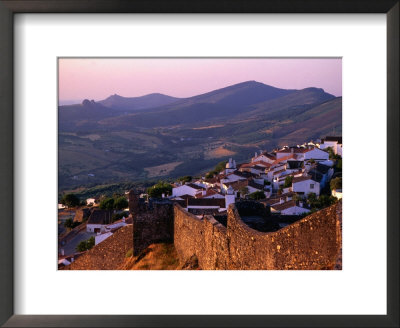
(10, 7)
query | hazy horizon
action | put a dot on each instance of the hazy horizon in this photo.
(98, 78)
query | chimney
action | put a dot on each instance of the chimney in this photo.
(255, 154)
(72, 259)
(281, 201)
(62, 251)
(301, 204)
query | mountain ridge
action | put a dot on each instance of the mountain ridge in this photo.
(99, 144)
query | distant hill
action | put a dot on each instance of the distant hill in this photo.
(101, 144)
(71, 117)
(241, 101)
(137, 103)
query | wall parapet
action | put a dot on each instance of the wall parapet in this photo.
(313, 242)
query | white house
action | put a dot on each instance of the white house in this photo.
(264, 157)
(90, 201)
(304, 185)
(334, 142)
(236, 186)
(289, 152)
(209, 193)
(229, 197)
(337, 193)
(186, 189)
(232, 177)
(303, 153)
(206, 205)
(316, 154)
(289, 208)
(253, 168)
(230, 166)
(254, 187)
(98, 220)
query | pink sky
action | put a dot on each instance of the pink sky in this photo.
(98, 78)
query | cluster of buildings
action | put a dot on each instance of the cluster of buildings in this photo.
(282, 179)
(99, 225)
(285, 176)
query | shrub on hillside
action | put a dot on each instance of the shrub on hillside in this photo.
(107, 204)
(85, 245)
(257, 195)
(288, 181)
(70, 200)
(336, 183)
(158, 189)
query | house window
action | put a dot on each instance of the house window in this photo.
(312, 186)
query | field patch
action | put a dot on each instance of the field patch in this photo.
(209, 127)
(161, 170)
(218, 153)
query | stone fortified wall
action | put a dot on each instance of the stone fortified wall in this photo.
(152, 223)
(308, 244)
(311, 243)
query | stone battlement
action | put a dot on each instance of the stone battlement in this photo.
(311, 243)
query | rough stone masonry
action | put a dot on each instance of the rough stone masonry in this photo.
(312, 243)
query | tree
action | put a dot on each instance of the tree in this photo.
(158, 189)
(320, 202)
(288, 181)
(338, 165)
(312, 200)
(326, 200)
(209, 175)
(70, 200)
(120, 203)
(119, 216)
(336, 183)
(186, 178)
(332, 154)
(280, 190)
(107, 204)
(69, 223)
(220, 166)
(85, 245)
(257, 195)
(297, 197)
(243, 191)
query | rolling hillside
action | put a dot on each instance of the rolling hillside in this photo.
(120, 140)
(137, 103)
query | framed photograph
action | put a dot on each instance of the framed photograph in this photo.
(183, 164)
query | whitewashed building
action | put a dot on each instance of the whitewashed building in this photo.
(337, 193)
(186, 189)
(289, 208)
(304, 185)
(230, 166)
(98, 219)
(263, 157)
(334, 142)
